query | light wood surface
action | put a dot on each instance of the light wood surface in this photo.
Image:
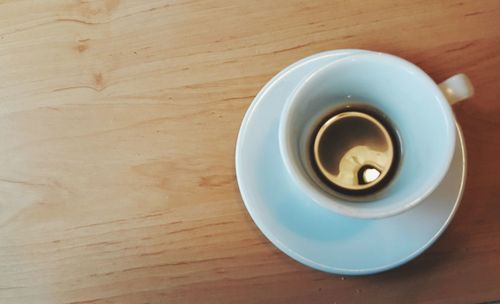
(118, 123)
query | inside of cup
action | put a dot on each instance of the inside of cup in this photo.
(407, 96)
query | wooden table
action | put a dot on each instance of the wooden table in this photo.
(118, 122)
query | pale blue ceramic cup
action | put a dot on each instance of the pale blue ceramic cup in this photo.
(418, 108)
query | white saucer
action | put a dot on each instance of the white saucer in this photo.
(311, 234)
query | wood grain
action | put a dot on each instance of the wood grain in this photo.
(118, 122)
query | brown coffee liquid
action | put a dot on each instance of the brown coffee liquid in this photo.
(355, 150)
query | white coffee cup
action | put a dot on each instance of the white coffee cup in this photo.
(419, 109)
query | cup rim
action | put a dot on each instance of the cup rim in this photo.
(329, 202)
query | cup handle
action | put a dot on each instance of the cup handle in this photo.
(457, 88)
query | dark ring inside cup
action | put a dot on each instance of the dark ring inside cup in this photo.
(354, 152)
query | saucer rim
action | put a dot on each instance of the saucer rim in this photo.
(274, 239)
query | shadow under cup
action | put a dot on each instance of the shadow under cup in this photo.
(401, 91)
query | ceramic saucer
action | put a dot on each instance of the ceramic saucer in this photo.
(311, 234)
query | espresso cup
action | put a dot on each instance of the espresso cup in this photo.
(422, 126)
